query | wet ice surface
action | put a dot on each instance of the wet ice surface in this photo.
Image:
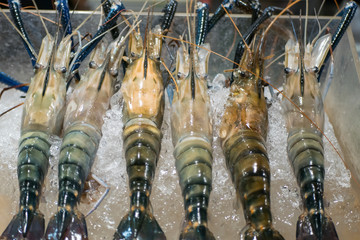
(225, 213)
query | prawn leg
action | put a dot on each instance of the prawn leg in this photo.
(249, 35)
(62, 6)
(106, 5)
(252, 7)
(348, 14)
(6, 79)
(14, 7)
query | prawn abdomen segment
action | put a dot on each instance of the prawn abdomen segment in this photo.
(142, 147)
(34, 152)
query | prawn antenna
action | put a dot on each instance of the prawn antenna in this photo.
(42, 21)
(293, 27)
(306, 20)
(10, 109)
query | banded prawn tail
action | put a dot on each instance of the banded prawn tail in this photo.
(143, 111)
(304, 113)
(191, 126)
(142, 139)
(247, 160)
(306, 153)
(34, 153)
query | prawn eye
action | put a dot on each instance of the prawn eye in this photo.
(63, 70)
(242, 73)
(92, 64)
(315, 69)
(287, 70)
(114, 72)
(37, 66)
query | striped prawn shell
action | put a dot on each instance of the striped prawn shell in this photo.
(243, 132)
(33, 163)
(143, 111)
(142, 117)
(304, 113)
(141, 146)
(83, 122)
(194, 165)
(306, 153)
(77, 154)
(305, 145)
(247, 160)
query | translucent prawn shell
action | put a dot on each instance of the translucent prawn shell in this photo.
(44, 106)
(142, 86)
(91, 97)
(310, 101)
(246, 106)
(191, 116)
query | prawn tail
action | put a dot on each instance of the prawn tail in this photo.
(33, 157)
(306, 152)
(268, 233)
(26, 224)
(200, 232)
(142, 147)
(139, 224)
(194, 166)
(67, 224)
(315, 226)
